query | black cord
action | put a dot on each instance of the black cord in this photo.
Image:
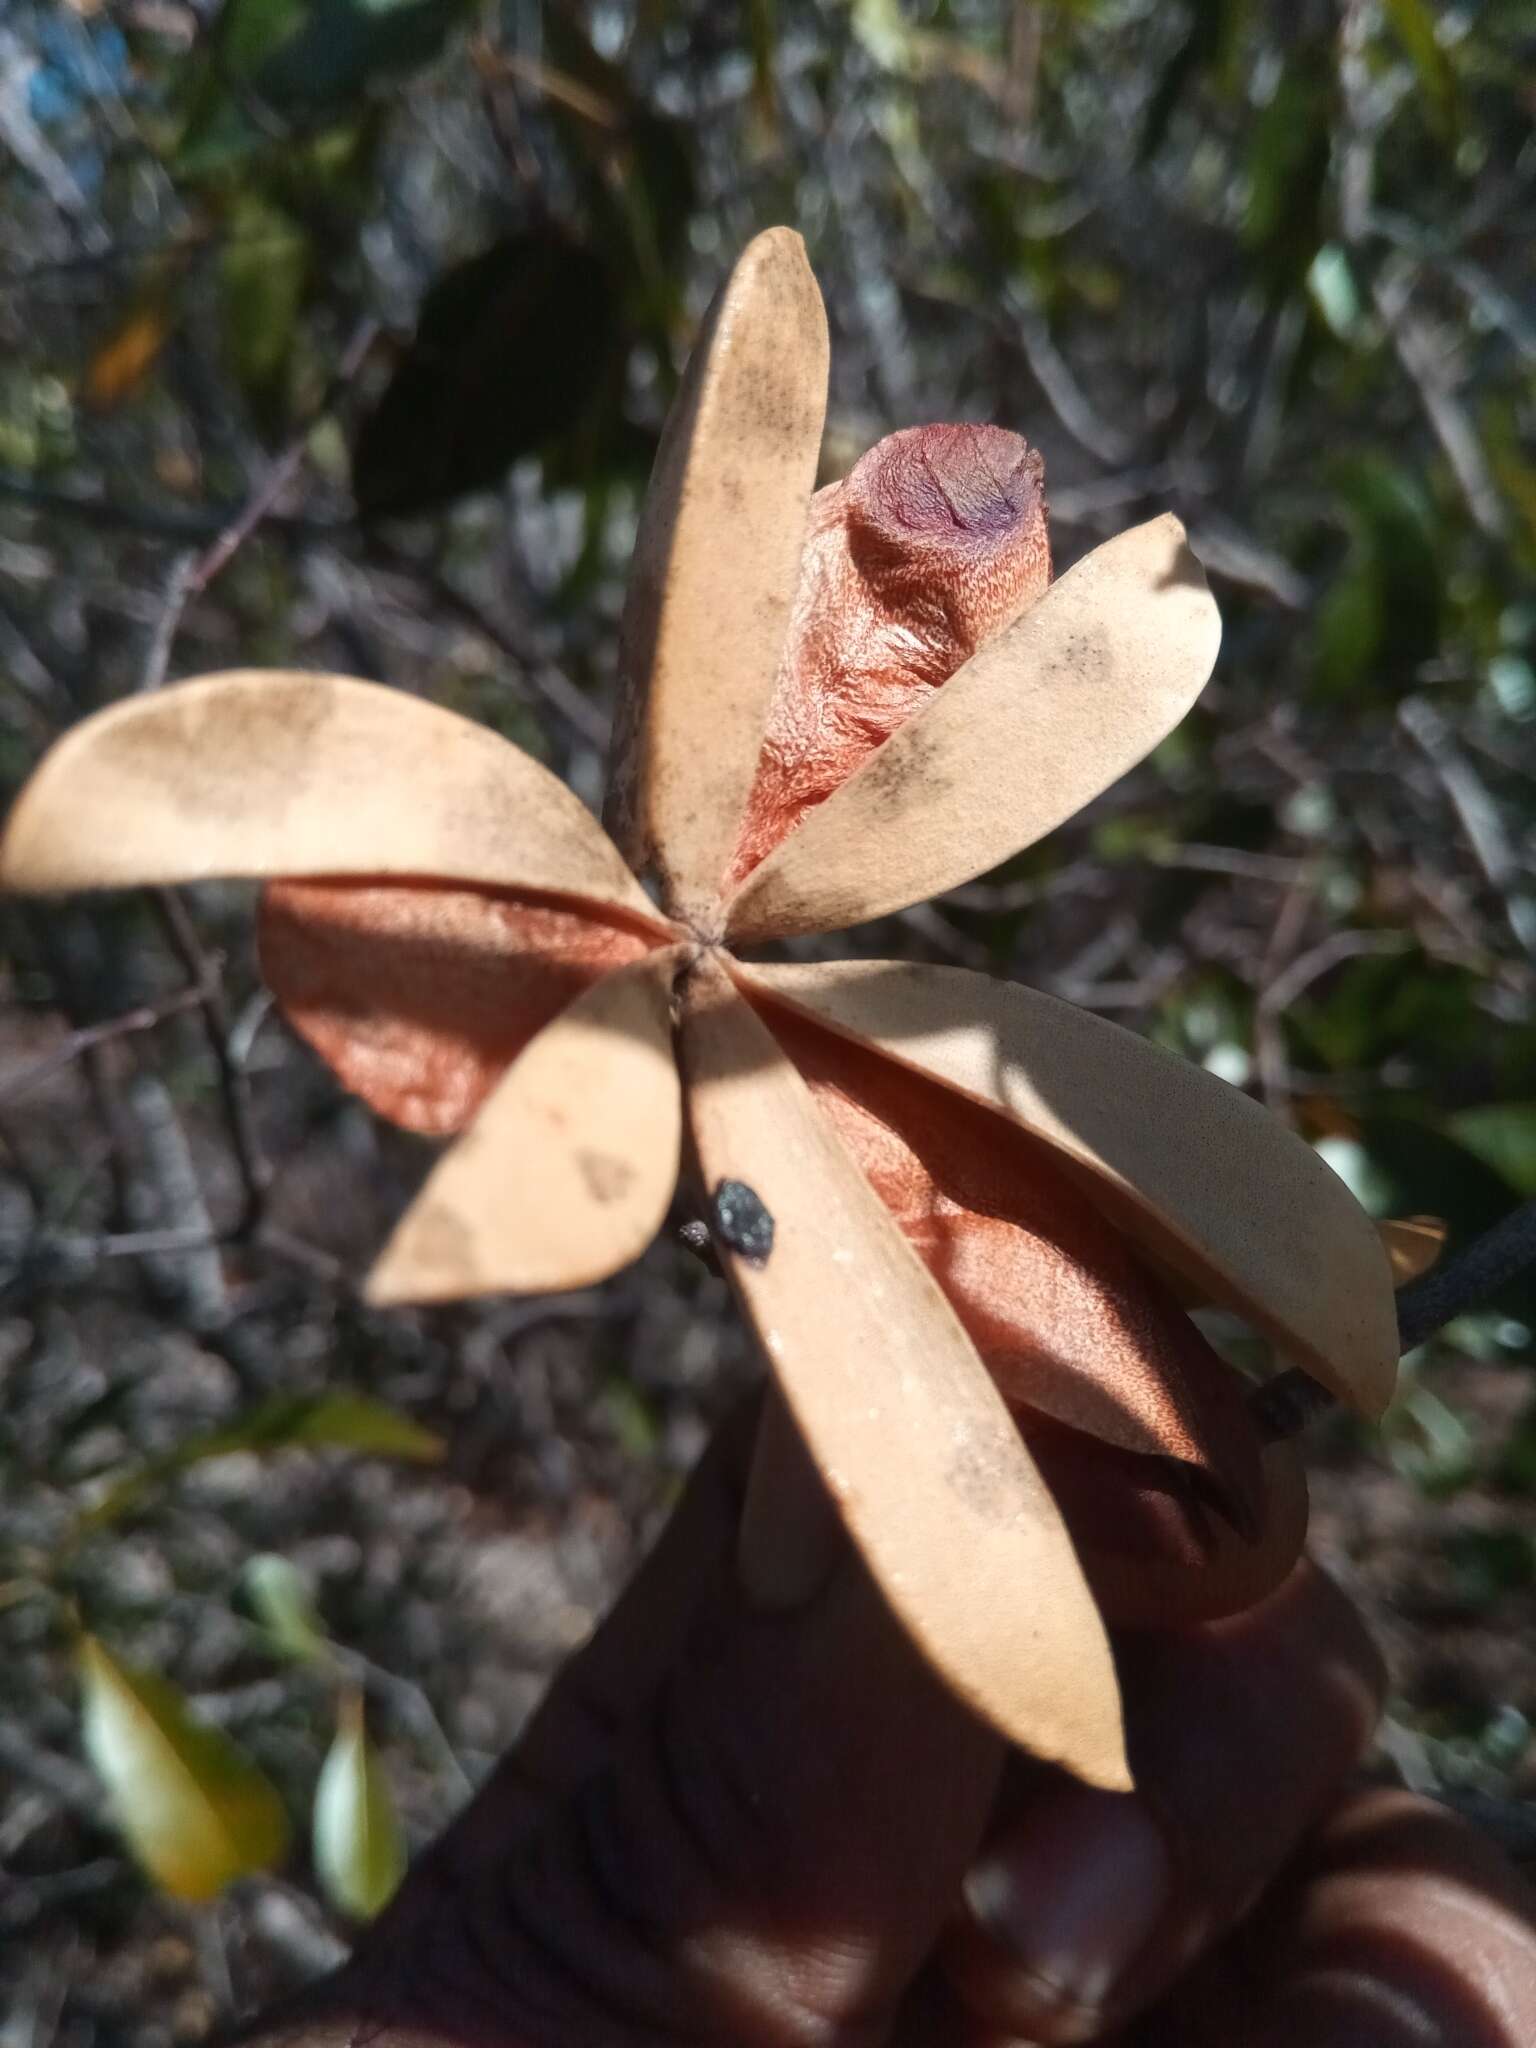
(1284, 1406)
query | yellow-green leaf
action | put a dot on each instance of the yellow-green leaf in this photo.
(344, 1421)
(284, 1607)
(195, 1811)
(359, 1848)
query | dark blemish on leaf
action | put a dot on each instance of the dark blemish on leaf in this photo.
(981, 1481)
(742, 1223)
(442, 1242)
(225, 756)
(607, 1178)
(893, 772)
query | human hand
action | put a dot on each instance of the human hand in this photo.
(777, 1829)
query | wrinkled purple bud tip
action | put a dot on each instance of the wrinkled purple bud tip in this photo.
(978, 481)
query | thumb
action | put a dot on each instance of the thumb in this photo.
(727, 1823)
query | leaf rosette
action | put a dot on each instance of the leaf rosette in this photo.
(987, 1206)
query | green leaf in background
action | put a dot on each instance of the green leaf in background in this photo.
(1414, 22)
(509, 349)
(1392, 1005)
(358, 1844)
(263, 266)
(1488, 1563)
(1206, 46)
(1380, 617)
(276, 63)
(1503, 1136)
(341, 1421)
(281, 1601)
(1288, 159)
(1331, 285)
(1412, 1169)
(195, 1811)
(1428, 1443)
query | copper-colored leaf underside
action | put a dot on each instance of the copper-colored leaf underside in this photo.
(271, 773)
(1187, 1166)
(932, 544)
(714, 573)
(1413, 1244)
(566, 1173)
(1067, 1322)
(418, 995)
(1141, 1582)
(1044, 717)
(898, 1412)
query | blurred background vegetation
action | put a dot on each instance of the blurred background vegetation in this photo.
(337, 333)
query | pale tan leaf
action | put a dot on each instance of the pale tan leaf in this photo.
(1045, 716)
(419, 996)
(898, 1412)
(714, 574)
(566, 1173)
(258, 773)
(1413, 1244)
(196, 1811)
(1205, 1178)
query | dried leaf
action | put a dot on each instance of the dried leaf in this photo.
(262, 773)
(1045, 716)
(1199, 1174)
(420, 996)
(930, 547)
(566, 1173)
(1142, 1589)
(1412, 1244)
(195, 1810)
(905, 1426)
(714, 573)
(358, 1845)
(121, 366)
(1066, 1318)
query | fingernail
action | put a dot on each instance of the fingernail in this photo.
(1073, 1893)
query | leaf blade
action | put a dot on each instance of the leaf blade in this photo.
(927, 1468)
(359, 1848)
(715, 568)
(195, 1811)
(255, 773)
(1045, 716)
(338, 1419)
(592, 1111)
(1198, 1173)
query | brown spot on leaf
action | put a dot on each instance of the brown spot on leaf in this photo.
(442, 1246)
(606, 1177)
(226, 756)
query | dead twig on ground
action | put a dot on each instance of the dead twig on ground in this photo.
(70, 1048)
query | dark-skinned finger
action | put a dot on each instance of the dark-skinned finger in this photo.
(1086, 1905)
(1398, 1926)
(761, 1848)
(610, 1680)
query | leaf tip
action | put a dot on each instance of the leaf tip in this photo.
(397, 1278)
